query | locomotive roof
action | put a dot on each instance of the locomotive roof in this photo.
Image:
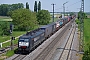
(32, 34)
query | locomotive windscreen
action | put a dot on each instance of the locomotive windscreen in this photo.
(23, 40)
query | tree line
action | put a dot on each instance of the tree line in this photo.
(5, 8)
(81, 15)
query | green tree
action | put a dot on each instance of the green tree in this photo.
(16, 6)
(81, 15)
(43, 17)
(39, 6)
(20, 5)
(5, 8)
(4, 28)
(71, 13)
(35, 6)
(27, 5)
(24, 19)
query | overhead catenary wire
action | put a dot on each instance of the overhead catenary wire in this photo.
(69, 5)
(74, 3)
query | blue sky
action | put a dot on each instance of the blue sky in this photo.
(72, 5)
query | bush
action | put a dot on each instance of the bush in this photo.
(43, 17)
(4, 28)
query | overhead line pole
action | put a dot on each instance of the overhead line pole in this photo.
(82, 27)
(53, 11)
(64, 7)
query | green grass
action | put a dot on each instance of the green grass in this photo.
(9, 53)
(5, 18)
(17, 33)
(87, 33)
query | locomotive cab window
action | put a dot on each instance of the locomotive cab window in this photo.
(24, 40)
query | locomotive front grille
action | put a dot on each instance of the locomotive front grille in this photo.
(23, 47)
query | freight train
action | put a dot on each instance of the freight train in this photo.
(31, 39)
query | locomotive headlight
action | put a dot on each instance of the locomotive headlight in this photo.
(27, 43)
(20, 42)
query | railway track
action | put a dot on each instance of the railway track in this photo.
(19, 57)
(46, 51)
(4, 50)
(67, 48)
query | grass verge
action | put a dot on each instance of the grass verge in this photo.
(87, 33)
(86, 55)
